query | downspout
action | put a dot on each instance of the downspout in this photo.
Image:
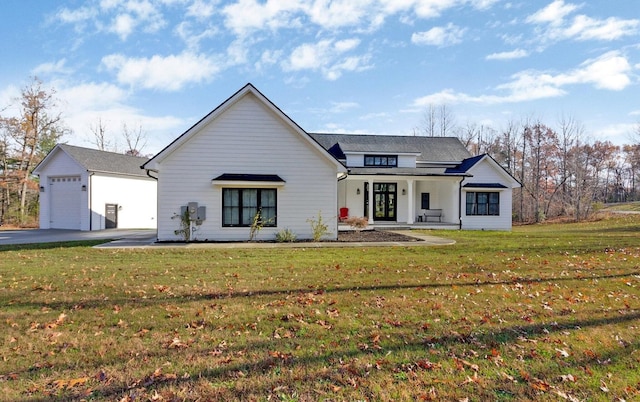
(157, 199)
(460, 203)
(90, 201)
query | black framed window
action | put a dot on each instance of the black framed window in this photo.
(483, 203)
(240, 206)
(381, 160)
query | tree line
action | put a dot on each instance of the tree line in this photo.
(30, 128)
(563, 171)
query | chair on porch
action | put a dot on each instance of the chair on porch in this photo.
(344, 214)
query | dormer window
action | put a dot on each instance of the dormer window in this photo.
(381, 160)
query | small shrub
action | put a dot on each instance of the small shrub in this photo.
(357, 222)
(318, 227)
(257, 224)
(285, 236)
(184, 230)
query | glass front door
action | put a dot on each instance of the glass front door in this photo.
(384, 201)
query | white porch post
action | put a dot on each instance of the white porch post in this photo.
(410, 198)
(370, 195)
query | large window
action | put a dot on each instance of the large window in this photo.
(240, 206)
(483, 203)
(381, 160)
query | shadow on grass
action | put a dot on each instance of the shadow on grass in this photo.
(338, 358)
(46, 246)
(101, 303)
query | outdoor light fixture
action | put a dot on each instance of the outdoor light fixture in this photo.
(84, 187)
(42, 189)
(358, 191)
(404, 191)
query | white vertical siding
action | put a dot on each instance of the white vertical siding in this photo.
(247, 138)
(484, 172)
(135, 197)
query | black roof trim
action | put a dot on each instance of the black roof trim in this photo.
(274, 178)
(485, 185)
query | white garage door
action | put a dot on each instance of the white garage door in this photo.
(65, 202)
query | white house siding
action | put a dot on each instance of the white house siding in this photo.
(135, 197)
(61, 166)
(484, 172)
(247, 138)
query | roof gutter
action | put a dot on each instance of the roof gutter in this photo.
(149, 174)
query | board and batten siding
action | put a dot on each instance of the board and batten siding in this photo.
(61, 165)
(484, 172)
(247, 138)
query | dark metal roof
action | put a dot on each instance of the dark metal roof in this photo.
(485, 185)
(105, 162)
(465, 165)
(429, 149)
(249, 177)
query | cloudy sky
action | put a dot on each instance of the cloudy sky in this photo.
(356, 66)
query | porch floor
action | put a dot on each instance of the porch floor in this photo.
(405, 226)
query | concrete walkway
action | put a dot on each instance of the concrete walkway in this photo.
(425, 240)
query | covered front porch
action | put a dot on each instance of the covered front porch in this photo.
(421, 202)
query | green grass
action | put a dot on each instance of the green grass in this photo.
(546, 312)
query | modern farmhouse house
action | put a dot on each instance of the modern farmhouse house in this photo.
(243, 157)
(420, 181)
(247, 157)
(88, 189)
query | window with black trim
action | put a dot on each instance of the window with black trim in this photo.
(483, 203)
(240, 206)
(381, 160)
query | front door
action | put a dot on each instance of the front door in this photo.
(384, 201)
(111, 216)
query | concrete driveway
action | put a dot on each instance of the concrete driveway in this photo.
(56, 235)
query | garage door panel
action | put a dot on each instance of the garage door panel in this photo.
(65, 202)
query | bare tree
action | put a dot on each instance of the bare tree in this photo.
(438, 120)
(136, 140)
(100, 137)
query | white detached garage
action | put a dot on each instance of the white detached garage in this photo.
(88, 189)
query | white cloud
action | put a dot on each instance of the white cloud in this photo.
(79, 15)
(123, 26)
(514, 54)
(341, 107)
(585, 28)
(202, 9)
(268, 58)
(553, 14)
(611, 71)
(439, 36)
(340, 13)
(555, 24)
(192, 36)
(326, 56)
(83, 105)
(246, 16)
(169, 73)
(51, 68)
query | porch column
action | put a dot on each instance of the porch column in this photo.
(370, 195)
(410, 198)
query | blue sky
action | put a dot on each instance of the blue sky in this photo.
(354, 66)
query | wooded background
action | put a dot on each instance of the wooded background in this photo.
(563, 171)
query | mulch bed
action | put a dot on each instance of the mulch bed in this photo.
(371, 236)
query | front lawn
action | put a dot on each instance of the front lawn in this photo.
(546, 312)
